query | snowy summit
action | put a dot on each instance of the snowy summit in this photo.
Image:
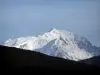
(58, 43)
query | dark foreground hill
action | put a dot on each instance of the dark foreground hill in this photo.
(93, 61)
(18, 60)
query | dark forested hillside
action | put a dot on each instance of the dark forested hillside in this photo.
(16, 60)
(93, 61)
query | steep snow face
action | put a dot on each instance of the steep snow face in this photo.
(58, 43)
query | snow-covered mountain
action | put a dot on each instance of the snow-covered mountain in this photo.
(58, 43)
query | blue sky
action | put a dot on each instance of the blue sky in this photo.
(20, 18)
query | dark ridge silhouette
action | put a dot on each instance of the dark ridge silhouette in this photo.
(19, 60)
(93, 61)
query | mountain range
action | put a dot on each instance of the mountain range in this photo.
(57, 43)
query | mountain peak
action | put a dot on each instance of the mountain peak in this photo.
(53, 29)
(66, 45)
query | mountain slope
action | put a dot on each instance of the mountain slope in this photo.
(19, 60)
(94, 61)
(57, 43)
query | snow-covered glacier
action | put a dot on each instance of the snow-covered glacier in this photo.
(58, 43)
